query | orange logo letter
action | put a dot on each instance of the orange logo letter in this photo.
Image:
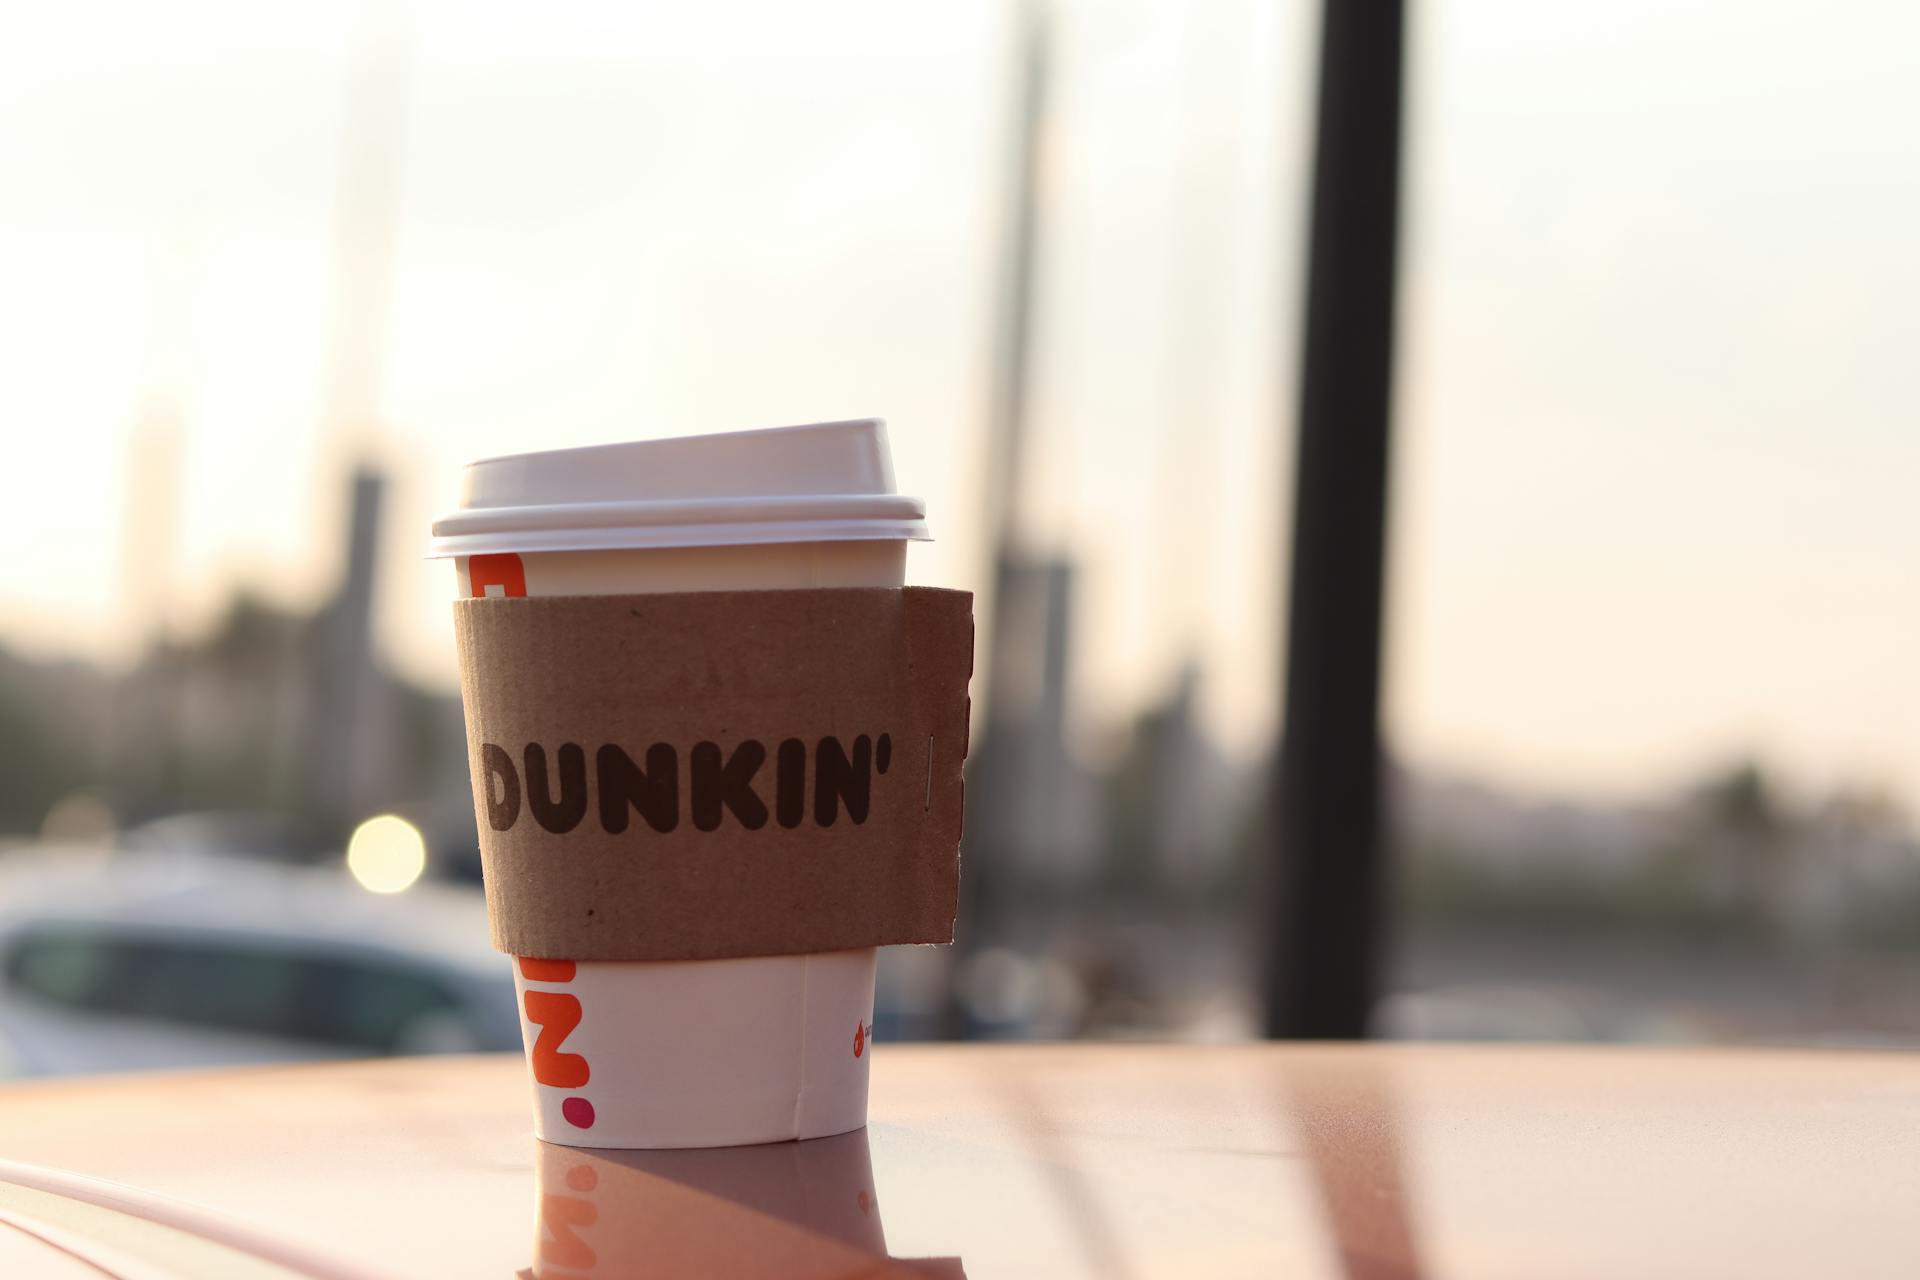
(557, 1015)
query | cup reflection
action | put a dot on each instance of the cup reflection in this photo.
(787, 1209)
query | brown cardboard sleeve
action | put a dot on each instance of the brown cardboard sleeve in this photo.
(697, 775)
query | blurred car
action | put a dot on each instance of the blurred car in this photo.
(137, 961)
(256, 836)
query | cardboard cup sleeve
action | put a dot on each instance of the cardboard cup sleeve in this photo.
(701, 775)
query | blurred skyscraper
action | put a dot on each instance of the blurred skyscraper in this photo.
(1033, 809)
(349, 740)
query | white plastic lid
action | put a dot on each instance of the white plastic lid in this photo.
(825, 482)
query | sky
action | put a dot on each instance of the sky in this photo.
(1656, 420)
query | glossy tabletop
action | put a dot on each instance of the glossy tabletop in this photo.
(1104, 1161)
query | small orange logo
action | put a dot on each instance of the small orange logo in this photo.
(498, 575)
(859, 1039)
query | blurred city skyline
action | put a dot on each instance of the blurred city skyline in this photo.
(1650, 507)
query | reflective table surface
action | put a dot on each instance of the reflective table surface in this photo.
(1099, 1160)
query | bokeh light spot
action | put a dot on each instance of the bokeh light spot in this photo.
(386, 854)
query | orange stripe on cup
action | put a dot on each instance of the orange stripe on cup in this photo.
(546, 970)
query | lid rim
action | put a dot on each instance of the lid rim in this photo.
(673, 537)
(641, 511)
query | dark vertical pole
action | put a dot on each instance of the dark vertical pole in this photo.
(1327, 911)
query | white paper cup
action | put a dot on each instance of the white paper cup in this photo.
(695, 1053)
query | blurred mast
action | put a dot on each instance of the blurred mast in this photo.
(1008, 408)
(1326, 913)
(1013, 323)
(366, 219)
(339, 750)
(151, 531)
(139, 731)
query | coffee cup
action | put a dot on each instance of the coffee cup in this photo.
(707, 1052)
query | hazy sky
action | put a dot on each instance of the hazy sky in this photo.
(1659, 426)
